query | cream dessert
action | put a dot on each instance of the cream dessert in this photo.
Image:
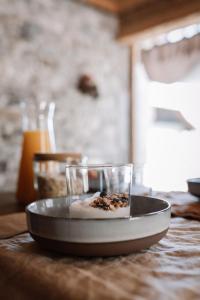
(101, 206)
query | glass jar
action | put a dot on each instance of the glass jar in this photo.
(49, 168)
(38, 136)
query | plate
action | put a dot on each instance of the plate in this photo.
(49, 226)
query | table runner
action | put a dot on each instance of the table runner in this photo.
(183, 204)
(12, 224)
(168, 270)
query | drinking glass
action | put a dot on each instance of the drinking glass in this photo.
(99, 191)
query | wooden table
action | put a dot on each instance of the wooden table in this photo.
(8, 204)
(169, 270)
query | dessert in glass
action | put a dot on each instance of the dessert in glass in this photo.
(99, 191)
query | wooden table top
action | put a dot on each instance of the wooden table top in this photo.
(8, 204)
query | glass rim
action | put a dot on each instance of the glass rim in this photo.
(99, 166)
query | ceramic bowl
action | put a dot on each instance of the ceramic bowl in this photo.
(194, 186)
(48, 225)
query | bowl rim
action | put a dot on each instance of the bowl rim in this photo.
(194, 180)
(168, 207)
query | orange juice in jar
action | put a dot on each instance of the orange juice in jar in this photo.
(38, 136)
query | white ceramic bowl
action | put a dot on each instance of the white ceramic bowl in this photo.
(47, 223)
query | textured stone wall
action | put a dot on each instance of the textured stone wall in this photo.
(45, 45)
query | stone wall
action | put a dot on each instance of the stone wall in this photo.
(45, 45)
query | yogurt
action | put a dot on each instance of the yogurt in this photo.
(81, 209)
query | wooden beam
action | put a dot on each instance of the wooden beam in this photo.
(154, 14)
(127, 5)
(132, 127)
(115, 6)
(107, 5)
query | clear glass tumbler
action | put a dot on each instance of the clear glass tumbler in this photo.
(99, 191)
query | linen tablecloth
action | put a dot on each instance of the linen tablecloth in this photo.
(168, 270)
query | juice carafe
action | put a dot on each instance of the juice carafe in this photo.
(38, 136)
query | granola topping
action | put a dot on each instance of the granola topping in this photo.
(110, 201)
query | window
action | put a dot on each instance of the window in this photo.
(171, 111)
